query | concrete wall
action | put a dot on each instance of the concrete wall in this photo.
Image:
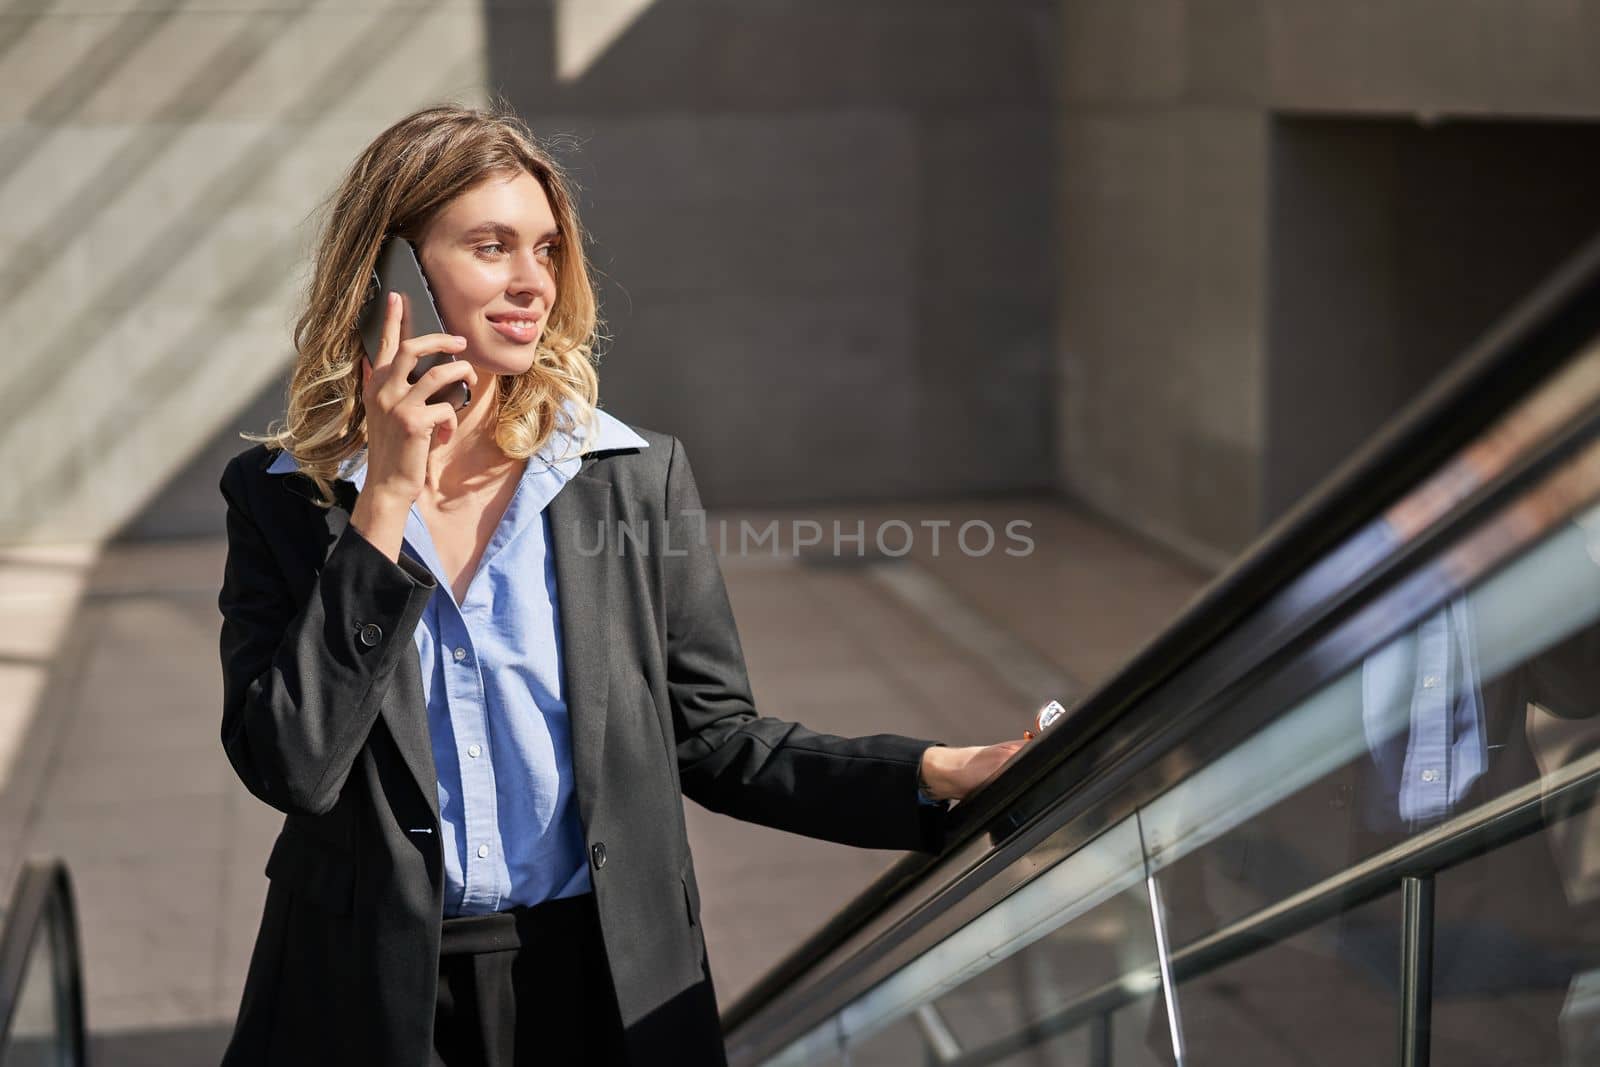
(1394, 246)
(856, 250)
(1169, 240)
(1163, 142)
(158, 161)
(823, 230)
(825, 233)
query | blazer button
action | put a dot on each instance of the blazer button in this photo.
(597, 852)
(371, 634)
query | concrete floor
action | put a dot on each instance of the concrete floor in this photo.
(119, 769)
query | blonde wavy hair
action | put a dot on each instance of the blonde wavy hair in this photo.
(396, 187)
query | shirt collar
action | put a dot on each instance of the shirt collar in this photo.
(557, 453)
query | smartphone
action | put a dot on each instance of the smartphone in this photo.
(398, 271)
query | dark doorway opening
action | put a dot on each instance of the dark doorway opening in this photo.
(1394, 245)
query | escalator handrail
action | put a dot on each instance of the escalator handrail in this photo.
(1503, 368)
(43, 886)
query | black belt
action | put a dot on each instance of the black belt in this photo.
(564, 920)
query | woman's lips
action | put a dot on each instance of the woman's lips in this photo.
(517, 334)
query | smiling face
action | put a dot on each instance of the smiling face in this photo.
(490, 259)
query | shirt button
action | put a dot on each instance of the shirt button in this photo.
(483, 851)
(371, 634)
(461, 654)
(1429, 682)
(1430, 775)
(597, 852)
(473, 751)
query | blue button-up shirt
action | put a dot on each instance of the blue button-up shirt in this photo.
(497, 709)
(1431, 756)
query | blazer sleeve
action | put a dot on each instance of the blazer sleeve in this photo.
(858, 791)
(302, 682)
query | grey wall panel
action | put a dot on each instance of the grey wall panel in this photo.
(826, 236)
(1161, 325)
(1394, 247)
(158, 165)
(1531, 57)
(711, 56)
(1168, 419)
(1121, 52)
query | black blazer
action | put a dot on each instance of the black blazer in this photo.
(324, 719)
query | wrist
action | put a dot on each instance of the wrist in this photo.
(930, 778)
(382, 521)
(374, 509)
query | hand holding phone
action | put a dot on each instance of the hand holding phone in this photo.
(400, 271)
(403, 424)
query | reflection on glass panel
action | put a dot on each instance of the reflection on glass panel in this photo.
(36, 1029)
(1017, 977)
(1485, 704)
(1325, 997)
(1035, 993)
(898, 1045)
(1516, 952)
(1237, 835)
(1075, 1048)
(1118, 1038)
(1427, 727)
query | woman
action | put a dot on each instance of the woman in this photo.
(477, 723)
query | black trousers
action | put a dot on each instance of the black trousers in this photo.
(529, 986)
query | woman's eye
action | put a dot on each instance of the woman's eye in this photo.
(494, 244)
(547, 251)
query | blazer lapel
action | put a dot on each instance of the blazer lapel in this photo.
(580, 517)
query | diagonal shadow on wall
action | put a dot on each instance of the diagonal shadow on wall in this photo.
(21, 24)
(32, 257)
(912, 236)
(188, 504)
(64, 99)
(249, 169)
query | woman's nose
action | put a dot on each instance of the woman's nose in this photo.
(530, 275)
